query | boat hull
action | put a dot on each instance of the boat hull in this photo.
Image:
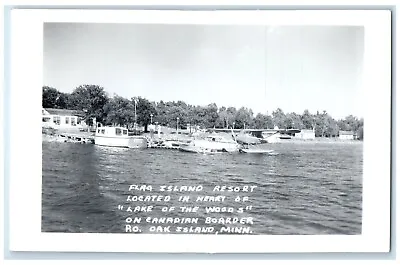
(273, 138)
(193, 149)
(204, 146)
(126, 142)
(255, 151)
(171, 144)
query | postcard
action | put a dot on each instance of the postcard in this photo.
(200, 131)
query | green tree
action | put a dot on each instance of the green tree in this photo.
(211, 115)
(270, 122)
(52, 98)
(199, 116)
(231, 114)
(320, 124)
(162, 113)
(49, 97)
(325, 125)
(222, 120)
(279, 117)
(90, 99)
(332, 129)
(244, 118)
(293, 121)
(350, 123)
(262, 121)
(119, 111)
(308, 120)
(360, 129)
(144, 110)
(343, 126)
(64, 101)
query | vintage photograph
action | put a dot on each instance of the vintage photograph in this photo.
(202, 129)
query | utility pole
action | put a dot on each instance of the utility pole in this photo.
(135, 100)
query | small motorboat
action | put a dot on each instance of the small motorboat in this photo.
(118, 137)
(255, 151)
(212, 144)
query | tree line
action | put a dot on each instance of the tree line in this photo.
(117, 110)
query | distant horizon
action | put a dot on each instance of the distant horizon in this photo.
(294, 68)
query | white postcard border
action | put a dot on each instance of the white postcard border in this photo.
(25, 137)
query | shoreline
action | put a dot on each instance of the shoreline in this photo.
(54, 135)
(67, 136)
(319, 141)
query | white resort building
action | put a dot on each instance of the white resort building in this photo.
(63, 119)
(346, 135)
(305, 134)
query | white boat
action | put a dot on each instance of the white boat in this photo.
(173, 144)
(211, 144)
(246, 138)
(273, 137)
(118, 137)
(255, 151)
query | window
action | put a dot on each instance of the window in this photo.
(46, 119)
(66, 120)
(103, 131)
(78, 120)
(56, 120)
(98, 130)
(125, 132)
(118, 131)
(73, 123)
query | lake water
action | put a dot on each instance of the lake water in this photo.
(303, 188)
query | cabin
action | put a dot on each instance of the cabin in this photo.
(112, 131)
(63, 119)
(346, 135)
(305, 135)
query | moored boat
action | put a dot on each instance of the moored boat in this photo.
(171, 144)
(273, 137)
(211, 144)
(118, 137)
(246, 138)
(255, 151)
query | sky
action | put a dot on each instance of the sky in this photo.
(259, 67)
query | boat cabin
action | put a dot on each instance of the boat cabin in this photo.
(112, 131)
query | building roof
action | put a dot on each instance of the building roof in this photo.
(65, 112)
(346, 133)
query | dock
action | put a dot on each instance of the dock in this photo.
(76, 138)
(162, 146)
(68, 138)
